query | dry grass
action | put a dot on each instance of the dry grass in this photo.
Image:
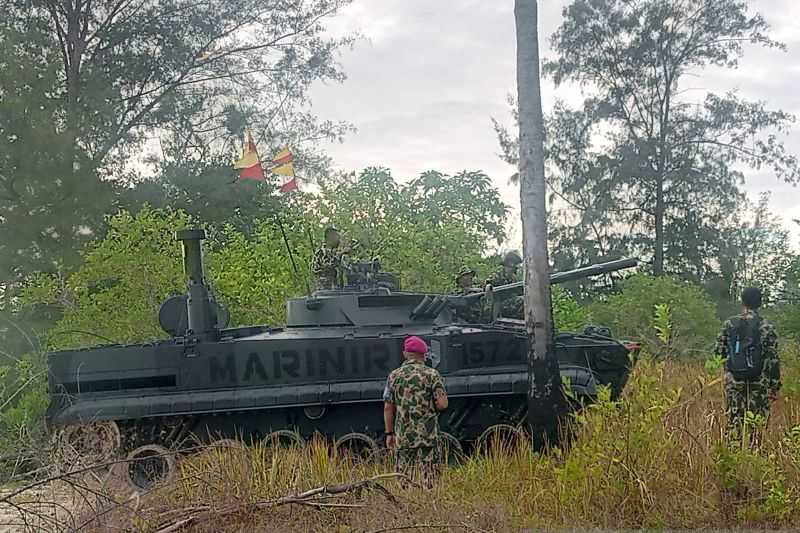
(655, 460)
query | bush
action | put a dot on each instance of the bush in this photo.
(670, 317)
(786, 319)
(568, 314)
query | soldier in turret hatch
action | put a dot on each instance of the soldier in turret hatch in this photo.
(513, 307)
(465, 282)
(327, 264)
(509, 273)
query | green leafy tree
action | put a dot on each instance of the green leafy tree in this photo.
(86, 84)
(45, 212)
(642, 167)
(124, 278)
(425, 230)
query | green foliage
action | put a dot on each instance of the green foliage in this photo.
(786, 318)
(568, 314)
(757, 478)
(253, 277)
(84, 86)
(713, 365)
(687, 318)
(116, 293)
(662, 323)
(425, 230)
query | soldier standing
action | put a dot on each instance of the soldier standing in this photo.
(752, 378)
(413, 397)
(509, 272)
(327, 264)
(513, 307)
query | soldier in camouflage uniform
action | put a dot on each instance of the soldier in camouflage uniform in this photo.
(509, 273)
(754, 396)
(465, 284)
(465, 281)
(413, 397)
(327, 264)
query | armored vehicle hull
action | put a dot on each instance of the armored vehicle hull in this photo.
(322, 374)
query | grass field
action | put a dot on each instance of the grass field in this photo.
(655, 459)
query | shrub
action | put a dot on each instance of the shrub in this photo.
(670, 317)
(786, 319)
(568, 314)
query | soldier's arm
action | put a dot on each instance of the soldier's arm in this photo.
(389, 412)
(772, 364)
(316, 262)
(388, 417)
(440, 400)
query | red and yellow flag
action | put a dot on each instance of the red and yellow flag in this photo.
(283, 164)
(249, 165)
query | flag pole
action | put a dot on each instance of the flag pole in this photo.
(289, 248)
(291, 255)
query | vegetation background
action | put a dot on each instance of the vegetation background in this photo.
(116, 129)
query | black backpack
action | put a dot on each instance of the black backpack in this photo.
(745, 360)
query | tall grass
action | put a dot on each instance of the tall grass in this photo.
(656, 458)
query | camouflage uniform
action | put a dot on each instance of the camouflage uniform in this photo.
(750, 396)
(412, 388)
(513, 307)
(473, 313)
(327, 266)
(503, 277)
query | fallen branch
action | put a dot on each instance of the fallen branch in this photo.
(420, 526)
(318, 498)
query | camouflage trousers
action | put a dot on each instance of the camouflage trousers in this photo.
(741, 398)
(420, 464)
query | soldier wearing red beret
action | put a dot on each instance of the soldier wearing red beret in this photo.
(413, 397)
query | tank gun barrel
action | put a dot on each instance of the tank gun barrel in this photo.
(517, 288)
(593, 270)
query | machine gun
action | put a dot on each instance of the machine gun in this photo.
(496, 295)
(365, 275)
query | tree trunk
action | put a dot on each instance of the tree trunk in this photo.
(658, 256)
(544, 382)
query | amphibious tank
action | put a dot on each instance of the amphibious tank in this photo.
(322, 373)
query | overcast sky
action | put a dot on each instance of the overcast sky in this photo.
(428, 76)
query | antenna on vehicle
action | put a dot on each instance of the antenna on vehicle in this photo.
(291, 254)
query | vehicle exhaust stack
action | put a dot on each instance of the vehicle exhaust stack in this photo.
(200, 309)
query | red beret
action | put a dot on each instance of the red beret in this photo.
(415, 345)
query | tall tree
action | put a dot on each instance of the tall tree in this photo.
(544, 381)
(107, 77)
(757, 252)
(646, 166)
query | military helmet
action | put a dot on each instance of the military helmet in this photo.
(465, 271)
(331, 229)
(512, 258)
